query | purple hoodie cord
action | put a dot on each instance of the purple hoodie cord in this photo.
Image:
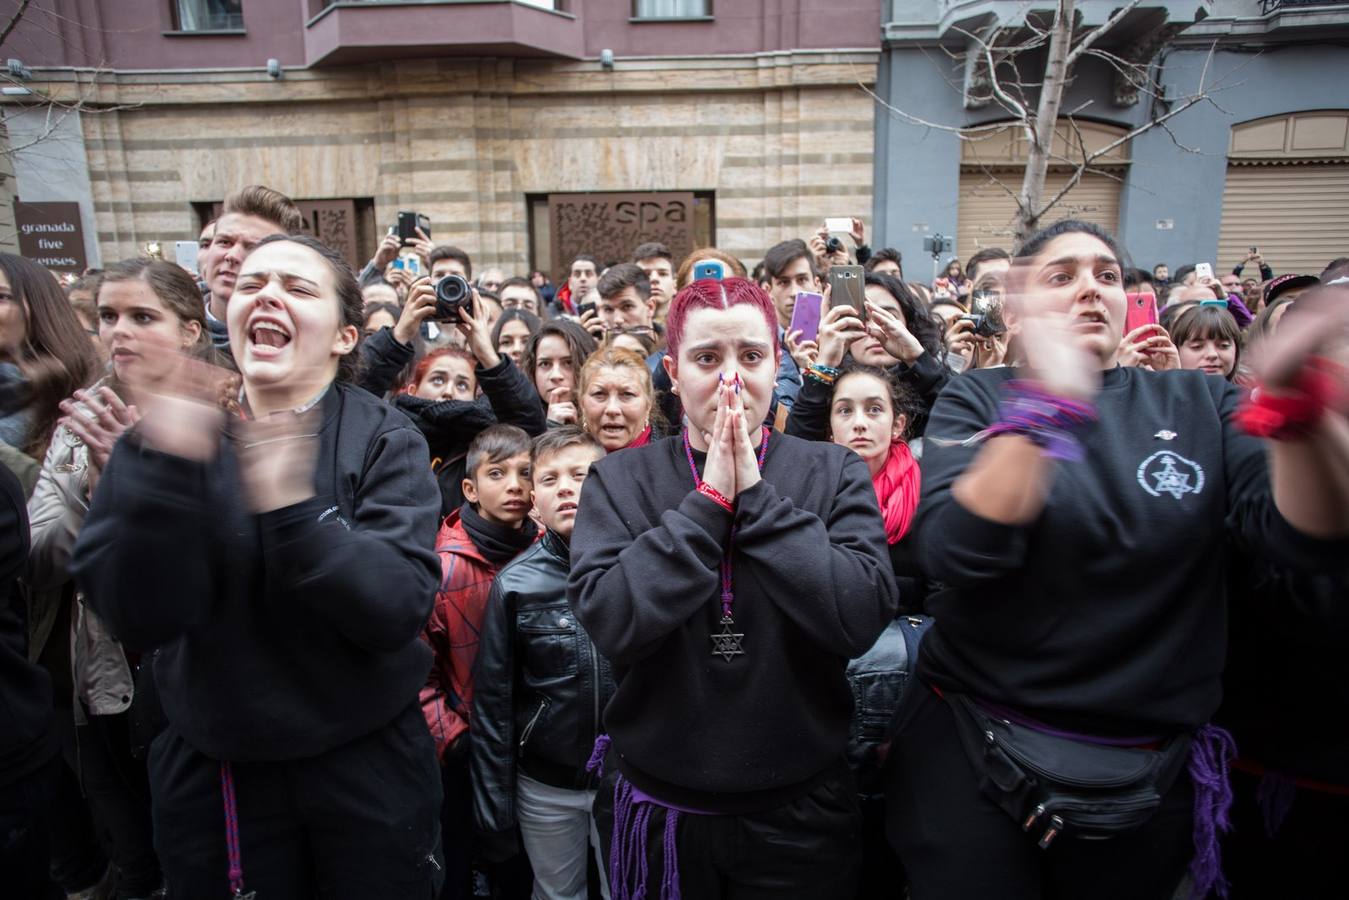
(1213, 749)
(1275, 796)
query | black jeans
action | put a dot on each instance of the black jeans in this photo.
(78, 861)
(25, 807)
(118, 790)
(807, 849)
(956, 843)
(360, 821)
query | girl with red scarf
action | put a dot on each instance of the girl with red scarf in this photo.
(872, 414)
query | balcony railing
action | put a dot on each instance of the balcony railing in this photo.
(555, 5)
(1269, 6)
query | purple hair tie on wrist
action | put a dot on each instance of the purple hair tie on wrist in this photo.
(1048, 421)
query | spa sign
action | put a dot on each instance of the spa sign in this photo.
(610, 226)
(51, 235)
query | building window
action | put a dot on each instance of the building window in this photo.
(209, 15)
(671, 9)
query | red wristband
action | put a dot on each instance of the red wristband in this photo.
(1293, 413)
(715, 496)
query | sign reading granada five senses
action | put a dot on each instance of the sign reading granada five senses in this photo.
(50, 234)
(610, 226)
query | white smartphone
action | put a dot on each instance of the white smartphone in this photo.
(1203, 271)
(185, 254)
(838, 225)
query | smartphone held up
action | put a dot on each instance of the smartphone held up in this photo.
(847, 288)
(806, 313)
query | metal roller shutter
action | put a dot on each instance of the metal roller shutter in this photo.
(987, 209)
(1297, 214)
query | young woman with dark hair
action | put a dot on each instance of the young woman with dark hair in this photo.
(45, 356)
(952, 282)
(897, 335)
(293, 570)
(141, 306)
(728, 575)
(1207, 338)
(1062, 653)
(379, 314)
(513, 331)
(552, 360)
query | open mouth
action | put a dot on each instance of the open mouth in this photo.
(1089, 322)
(267, 338)
(566, 508)
(614, 430)
(121, 354)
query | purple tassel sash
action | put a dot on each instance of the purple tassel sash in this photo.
(628, 868)
(1213, 750)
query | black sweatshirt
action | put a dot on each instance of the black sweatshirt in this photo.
(284, 634)
(813, 588)
(810, 413)
(27, 739)
(1107, 615)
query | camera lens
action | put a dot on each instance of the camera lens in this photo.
(833, 245)
(454, 299)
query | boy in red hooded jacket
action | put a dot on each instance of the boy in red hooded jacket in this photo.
(488, 531)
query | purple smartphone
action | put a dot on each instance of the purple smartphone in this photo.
(806, 315)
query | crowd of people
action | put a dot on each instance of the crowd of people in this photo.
(421, 582)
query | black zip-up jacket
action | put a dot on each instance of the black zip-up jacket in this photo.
(540, 686)
(282, 634)
(1107, 614)
(383, 359)
(813, 588)
(27, 739)
(449, 426)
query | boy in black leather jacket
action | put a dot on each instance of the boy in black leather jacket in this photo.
(541, 689)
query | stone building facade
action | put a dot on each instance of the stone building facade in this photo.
(761, 114)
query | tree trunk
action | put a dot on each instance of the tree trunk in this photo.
(1046, 119)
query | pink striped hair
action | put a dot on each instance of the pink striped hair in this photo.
(711, 294)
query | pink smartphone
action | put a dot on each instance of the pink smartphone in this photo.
(806, 315)
(1142, 310)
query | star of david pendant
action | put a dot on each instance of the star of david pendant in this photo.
(727, 643)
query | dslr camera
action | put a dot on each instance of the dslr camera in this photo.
(454, 299)
(986, 314)
(833, 245)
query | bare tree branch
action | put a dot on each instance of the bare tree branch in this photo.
(1095, 34)
(1119, 142)
(18, 14)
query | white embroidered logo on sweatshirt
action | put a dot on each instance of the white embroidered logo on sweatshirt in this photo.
(1165, 472)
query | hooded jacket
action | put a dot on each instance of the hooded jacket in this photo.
(282, 634)
(453, 632)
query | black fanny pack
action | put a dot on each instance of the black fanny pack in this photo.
(1052, 785)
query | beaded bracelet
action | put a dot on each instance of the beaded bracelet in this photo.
(1046, 420)
(825, 375)
(715, 496)
(1295, 412)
